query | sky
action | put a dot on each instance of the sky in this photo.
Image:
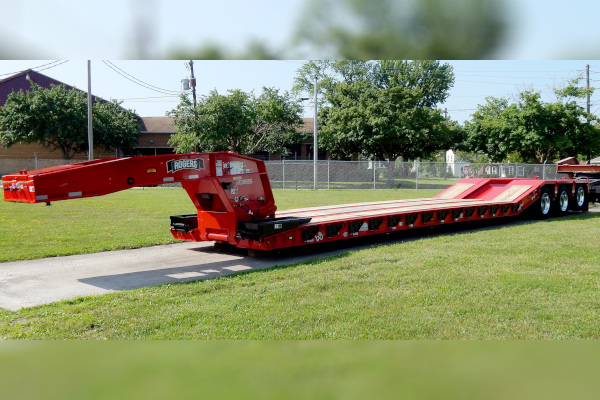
(538, 29)
(554, 38)
(474, 80)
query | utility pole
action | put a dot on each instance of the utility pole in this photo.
(193, 82)
(587, 95)
(90, 130)
(315, 142)
(193, 85)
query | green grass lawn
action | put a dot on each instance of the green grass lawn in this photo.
(529, 281)
(275, 370)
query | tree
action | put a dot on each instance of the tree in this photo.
(381, 29)
(365, 29)
(384, 110)
(532, 130)
(237, 122)
(277, 122)
(115, 127)
(57, 119)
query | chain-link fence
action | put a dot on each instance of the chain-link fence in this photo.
(331, 174)
(300, 174)
(11, 166)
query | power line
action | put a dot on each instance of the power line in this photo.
(39, 66)
(148, 101)
(137, 81)
(149, 97)
(52, 66)
(501, 83)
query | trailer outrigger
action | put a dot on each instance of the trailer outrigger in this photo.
(235, 204)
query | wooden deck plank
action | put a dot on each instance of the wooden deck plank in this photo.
(455, 190)
(358, 207)
(370, 210)
(395, 210)
(512, 193)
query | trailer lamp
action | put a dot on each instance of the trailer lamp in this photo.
(150, 170)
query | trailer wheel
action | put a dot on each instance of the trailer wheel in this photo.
(544, 204)
(579, 202)
(562, 201)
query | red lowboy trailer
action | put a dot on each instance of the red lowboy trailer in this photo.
(235, 204)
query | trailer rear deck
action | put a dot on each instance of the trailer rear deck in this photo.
(467, 200)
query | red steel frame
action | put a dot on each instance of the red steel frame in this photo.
(230, 190)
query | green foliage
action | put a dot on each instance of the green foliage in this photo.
(115, 127)
(573, 90)
(238, 122)
(277, 122)
(57, 118)
(390, 29)
(253, 50)
(383, 109)
(531, 130)
(472, 157)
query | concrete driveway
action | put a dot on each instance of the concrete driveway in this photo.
(42, 281)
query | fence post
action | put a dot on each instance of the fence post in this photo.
(544, 170)
(417, 175)
(35, 160)
(374, 177)
(283, 172)
(328, 161)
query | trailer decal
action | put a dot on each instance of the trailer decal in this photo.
(189, 163)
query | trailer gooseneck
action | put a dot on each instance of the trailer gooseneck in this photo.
(235, 204)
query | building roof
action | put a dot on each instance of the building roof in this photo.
(165, 125)
(157, 124)
(21, 81)
(308, 125)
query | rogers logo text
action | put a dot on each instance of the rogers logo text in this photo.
(178, 165)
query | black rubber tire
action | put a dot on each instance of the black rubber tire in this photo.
(562, 202)
(543, 206)
(579, 202)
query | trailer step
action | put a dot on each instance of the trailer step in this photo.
(261, 228)
(184, 223)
